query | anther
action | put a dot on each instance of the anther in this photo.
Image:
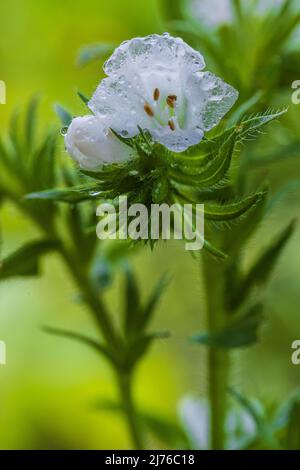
(171, 125)
(171, 100)
(148, 110)
(156, 94)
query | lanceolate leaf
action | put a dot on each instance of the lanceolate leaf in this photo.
(152, 302)
(241, 332)
(31, 123)
(83, 97)
(83, 339)
(132, 302)
(64, 115)
(231, 211)
(249, 128)
(238, 235)
(25, 261)
(212, 173)
(69, 195)
(261, 270)
(293, 430)
(264, 429)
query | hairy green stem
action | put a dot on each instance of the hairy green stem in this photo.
(218, 359)
(106, 326)
(124, 379)
(93, 300)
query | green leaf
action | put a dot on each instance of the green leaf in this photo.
(25, 261)
(264, 429)
(127, 141)
(261, 270)
(42, 164)
(237, 236)
(153, 300)
(293, 430)
(83, 98)
(132, 310)
(82, 339)
(69, 195)
(207, 245)
(31, 123)
(244, 108)
(64, 115)
(239, 333)
(93, 52)
(212, 173)
(249, 128)
(231, 211)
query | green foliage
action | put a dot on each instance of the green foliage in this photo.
(64, 115)
(292, 440)
(136, 317)
(260, 271)
(277, 427)
(25, 261)
(239, 332)
(27, 164)
(252, 51)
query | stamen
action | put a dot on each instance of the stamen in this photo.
(171, 125)
(171, 101)
(156, 94)
(148, 110)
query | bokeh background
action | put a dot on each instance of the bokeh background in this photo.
(50, 386)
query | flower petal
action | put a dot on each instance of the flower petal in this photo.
(143, 53)
(210, 99)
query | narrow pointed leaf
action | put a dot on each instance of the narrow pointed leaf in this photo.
(261, 270)
(241, 332)
(155, 296)
(132, 311)
(231, 211)
(64, 115)
(68, 195)
(82, 339)
(25, 260)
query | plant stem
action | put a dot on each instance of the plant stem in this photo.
(218, 359)
(113, 340)
(93, 300)
(125, 386)
(124, 377)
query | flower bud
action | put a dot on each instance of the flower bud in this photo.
(92, 144)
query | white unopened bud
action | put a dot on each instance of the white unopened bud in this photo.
(92, 144)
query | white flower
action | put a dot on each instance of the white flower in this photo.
(91, 143)
(157, 83)
(195, 416)
(211, 12)
(218, 12)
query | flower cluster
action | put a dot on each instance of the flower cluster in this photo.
(157, 84)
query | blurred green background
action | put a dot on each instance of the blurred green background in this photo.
(50, 386)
